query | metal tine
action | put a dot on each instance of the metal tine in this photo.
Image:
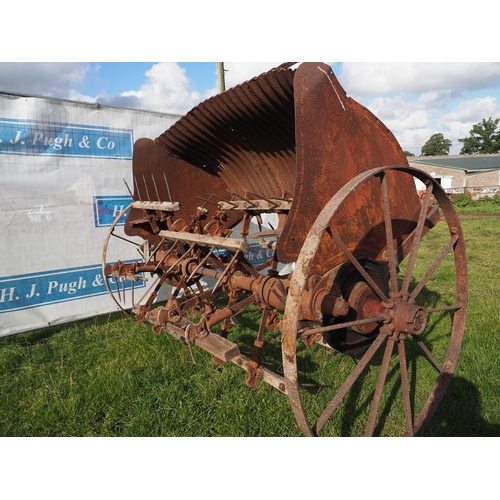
(180, 258)
(156, 189)
(154, 251)
(222, 199)
(262, 198)
(202, 262)
(168, 188)
(153, 283)
(125, 239)
(118, 289)
(241, 198)
(124, 291)
(171, 249)
(146, 186)
(226, 271)
(137, 187)
(128, 189)
(207, 201)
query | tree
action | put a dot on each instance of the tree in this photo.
(484, 138)
(436, 145)
(407, 153)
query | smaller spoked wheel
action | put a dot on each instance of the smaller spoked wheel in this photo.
(119, 250)
(401, 333)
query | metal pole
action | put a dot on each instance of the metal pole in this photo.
(220, 77)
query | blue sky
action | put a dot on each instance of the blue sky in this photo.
(414, 100)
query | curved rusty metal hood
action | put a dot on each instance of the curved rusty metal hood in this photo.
(245, 135)
(290, 132)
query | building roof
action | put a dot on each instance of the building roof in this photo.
(470, 164)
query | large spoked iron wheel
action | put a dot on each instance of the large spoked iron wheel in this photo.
(402, 367)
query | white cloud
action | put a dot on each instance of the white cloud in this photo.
(473, 110)
(48, 79)
(399, 114)
(239, 72)
(381, 78)
(414, 118)
(167, 89)
(459, 121)
(410, 120)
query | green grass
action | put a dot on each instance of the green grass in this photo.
(112, 376)
(471, 405)
(465, 204)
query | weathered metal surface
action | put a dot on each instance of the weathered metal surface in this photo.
(159, 176)
(245, 136)
(289, 142)
(336, 139)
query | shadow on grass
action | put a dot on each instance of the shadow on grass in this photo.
(460, 414)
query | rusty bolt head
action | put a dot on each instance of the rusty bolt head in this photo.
(341, 307)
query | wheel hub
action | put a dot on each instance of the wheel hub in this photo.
(405, 317)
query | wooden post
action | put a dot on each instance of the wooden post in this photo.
(220, 77)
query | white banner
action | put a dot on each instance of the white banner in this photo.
(62, 171)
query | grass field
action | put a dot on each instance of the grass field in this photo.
(112, 376)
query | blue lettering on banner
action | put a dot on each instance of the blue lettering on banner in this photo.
(108, 208)
(50, 287)
(33, 137)
(257, 255)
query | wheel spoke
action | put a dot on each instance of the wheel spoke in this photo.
(379, 388)
(416, 239)
(405, 388)
(444, 308)
(339, 326)
(428, 353)
(357, 265)
(391, 251)
(434, 266)
(332, 406)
